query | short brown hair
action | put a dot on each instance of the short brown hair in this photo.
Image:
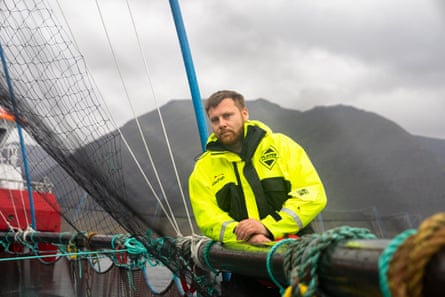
(219, 96)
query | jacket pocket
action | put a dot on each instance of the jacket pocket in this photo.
(230, 199)
(276, 190)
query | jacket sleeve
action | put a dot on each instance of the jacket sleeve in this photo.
(211, 220)
(307, 197)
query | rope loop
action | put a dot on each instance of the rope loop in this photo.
(302, 257)
(206, 256)
(138, 252)
(269, 261)
(408, 258)
(196, 242)
(6, 243)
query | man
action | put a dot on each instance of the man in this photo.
(251, 185)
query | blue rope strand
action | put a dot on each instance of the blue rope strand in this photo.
(206, 256)
(385, 259)
(269, 261)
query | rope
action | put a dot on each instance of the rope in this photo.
(11, 197)
(407, 265)
(162, 122)
(192, 276)
(205, 255)
(5, 243)
(10, 227)
(62, 254)
(25, 213)
(196, 242)
(138, 252)
(387, 255)
(135, 249)
(301, 259)
(169, 214)
(269, 262)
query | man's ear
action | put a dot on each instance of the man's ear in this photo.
(245, 113)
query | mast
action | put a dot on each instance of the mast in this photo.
(190, 69)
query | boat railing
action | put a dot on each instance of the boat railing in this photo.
(43, 187)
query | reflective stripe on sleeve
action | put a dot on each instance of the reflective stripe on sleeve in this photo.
(294, 216)
(223, 230)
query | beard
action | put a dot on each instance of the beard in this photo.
(230, 137)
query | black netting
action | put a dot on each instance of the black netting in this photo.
(74, 151)
(61, 111)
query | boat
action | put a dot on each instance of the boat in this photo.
(15, 210)
(108, 236)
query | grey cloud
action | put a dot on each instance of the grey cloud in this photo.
(299, 53)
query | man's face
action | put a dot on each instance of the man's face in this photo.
(227, 122)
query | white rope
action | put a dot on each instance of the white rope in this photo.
(24, 208)
(172, 159)
(171, 217)
(6, 221)
(107, 110)
(29, 230)
(12, 199)
(196, 243)
(169, 214)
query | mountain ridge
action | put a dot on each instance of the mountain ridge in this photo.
(364, 159)
(370, 166)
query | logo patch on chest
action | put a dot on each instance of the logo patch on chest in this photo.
(217, 178)
(269, 157)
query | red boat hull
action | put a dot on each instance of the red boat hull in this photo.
(14, 205)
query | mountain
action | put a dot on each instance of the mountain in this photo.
(436, 146)
(372, 169)
(364, 160)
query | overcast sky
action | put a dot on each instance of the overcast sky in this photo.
(382, 56)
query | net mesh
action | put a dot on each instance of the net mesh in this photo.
(73, 144)
(60, 110)
(75, 151)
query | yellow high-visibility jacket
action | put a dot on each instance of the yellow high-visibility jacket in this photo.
(272, 180)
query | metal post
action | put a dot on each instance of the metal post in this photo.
(190, 69)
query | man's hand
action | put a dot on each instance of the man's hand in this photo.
(258, 238)
(250, 229)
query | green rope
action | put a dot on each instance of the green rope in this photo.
(269, 261)
(386, 257)
(63, 254)
(5, 245)
(138, 252)
(178, 250)
(32, 238)
(121, 237)
(158, 245)
(303, 255)
(24, 242)
(206, 256)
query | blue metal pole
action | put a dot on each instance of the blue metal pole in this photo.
(22, 142)
(188, 62)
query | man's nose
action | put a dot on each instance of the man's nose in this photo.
(222, 123)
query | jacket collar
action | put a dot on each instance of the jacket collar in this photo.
(254, 131)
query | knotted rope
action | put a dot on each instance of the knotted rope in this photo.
(302, 257)
(404, 276)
